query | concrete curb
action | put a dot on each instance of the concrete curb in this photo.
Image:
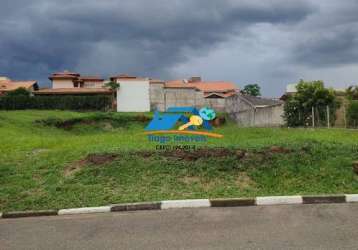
(20, 214)
(196, 203)
(136, 206)
(351, 197)
(85, 210)
(312, 199)
(279, 200)
(239, 202)
(185, 203)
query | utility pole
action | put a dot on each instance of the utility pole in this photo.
(312, 116)
(328, 123)
(345, 116)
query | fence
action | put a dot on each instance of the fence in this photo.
(75, 103)
(320, 116)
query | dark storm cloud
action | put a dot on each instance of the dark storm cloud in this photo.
(330, 48)
(330, 38)
(139, 37)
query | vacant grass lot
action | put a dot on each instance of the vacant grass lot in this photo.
(54, 159)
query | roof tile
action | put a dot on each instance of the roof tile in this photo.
(62, 91)
(9, 85)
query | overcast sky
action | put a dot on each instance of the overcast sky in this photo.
(272, 43)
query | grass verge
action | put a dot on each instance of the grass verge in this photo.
(91, 163)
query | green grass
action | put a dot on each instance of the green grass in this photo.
(34, 158)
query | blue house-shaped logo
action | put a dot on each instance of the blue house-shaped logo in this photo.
(174, 115)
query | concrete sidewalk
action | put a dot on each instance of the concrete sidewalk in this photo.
(323, 226)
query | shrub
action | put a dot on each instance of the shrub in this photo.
(352, 113)
(298, 107)
(19, 92)
(96, 120)
(75, 103)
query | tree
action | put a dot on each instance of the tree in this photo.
(298, 107)
(112, 86)
(352, 113)
(19, 92)
(252, 89)
(352, 93)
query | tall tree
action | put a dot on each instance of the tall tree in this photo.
(352, 92)
(251, 89)
(112, 86)
(298, 108)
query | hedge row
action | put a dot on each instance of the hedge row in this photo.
(352, 113)
(76, 103)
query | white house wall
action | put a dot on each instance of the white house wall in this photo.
(133, 96)
(62, 84)
(93, 84)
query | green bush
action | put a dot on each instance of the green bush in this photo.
(75, 103)
(352, 113)
(19, 92)
(298, 107)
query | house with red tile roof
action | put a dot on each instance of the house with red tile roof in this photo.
(199, 93)
(145, 94)
(165, 94)
(72, 83)
(7, 85)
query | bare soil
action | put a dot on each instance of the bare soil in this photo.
(91, 159)
(186, 155)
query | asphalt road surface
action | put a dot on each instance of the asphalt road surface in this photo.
(333, 226)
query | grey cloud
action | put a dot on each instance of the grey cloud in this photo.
(333, 47)
(140, 37)
(330, 38)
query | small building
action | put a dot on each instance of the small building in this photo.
(64, 80)
(7, 85)
(69, 80)
(133, 94)
(72, 83)
(137, 94)
(197, 93)
(251, 111)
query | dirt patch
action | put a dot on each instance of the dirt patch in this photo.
(91, 159)
(239, 154)
(280, 150)
(100, 159)
(218, 121)
(186, 155)
(355, 167)
(145, 154)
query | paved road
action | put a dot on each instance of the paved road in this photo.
(270, 227)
